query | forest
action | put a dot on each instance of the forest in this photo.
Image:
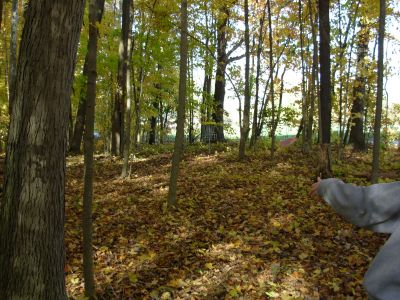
(163, 149)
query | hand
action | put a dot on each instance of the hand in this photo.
(314, 187)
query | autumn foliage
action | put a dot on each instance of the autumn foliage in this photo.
(245, 230)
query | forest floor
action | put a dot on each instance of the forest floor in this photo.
(244, 230)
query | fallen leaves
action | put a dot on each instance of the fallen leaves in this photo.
(242, 231)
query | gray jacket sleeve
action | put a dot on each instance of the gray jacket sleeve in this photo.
(376, 207)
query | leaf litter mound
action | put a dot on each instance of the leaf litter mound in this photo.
(243, 230)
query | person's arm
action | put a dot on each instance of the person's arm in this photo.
(376, 207)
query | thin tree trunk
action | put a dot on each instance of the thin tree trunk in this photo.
(378, 111)
(325, 168)
(157, 103)
(94, 7)
(13, 53)
(245, 128)
(266, 98)
(271, 70)
(180, 129)
(76, 138)
(314, 72)
(1, 12)
(253, 140)
(191, 97)
(118, 121)
(303, 89)
(205, 96)
(77, 135)
(279, 110)
(32, 252)
(128, 93)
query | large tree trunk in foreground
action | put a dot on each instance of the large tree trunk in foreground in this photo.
(180, 126)
(32, 210)
(325, 107)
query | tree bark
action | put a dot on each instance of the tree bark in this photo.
(180, 129)
(378, 111)
(271, 70)
(325, 168)
(1, 12)
(153, 119)
(314, 72)
(76, 138)
(32, 253)
(303, 83)
(128, 94)
(244, 130)
(359, 92)
(206, 95)
(253, 140)
(13, 53)
(94, 7)
(219, 90)
(118, 121)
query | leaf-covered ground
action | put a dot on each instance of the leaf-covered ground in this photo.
(244, 230)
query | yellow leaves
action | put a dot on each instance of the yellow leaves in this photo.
(147, 256)
(177, 283)
(132, 277)
(209, 266)
(275, 223)
(303, 256)
(272, 294)
(166, 296)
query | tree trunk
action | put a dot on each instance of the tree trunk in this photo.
(180, 129)
(153, 119)
(94, 7)
(378, 111)
(303, 83)
(206, 102)
(13, 53)
(325, 168)
(76, 138)
(161, 120)
(253, 140)
(244, 130)
(1, 12)
(191, 87)
(118, 120)
(219, 90)
(359, 92)
(314, 72)
(128, 92)
(271, 70)
(279, 110)
(32, 253)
